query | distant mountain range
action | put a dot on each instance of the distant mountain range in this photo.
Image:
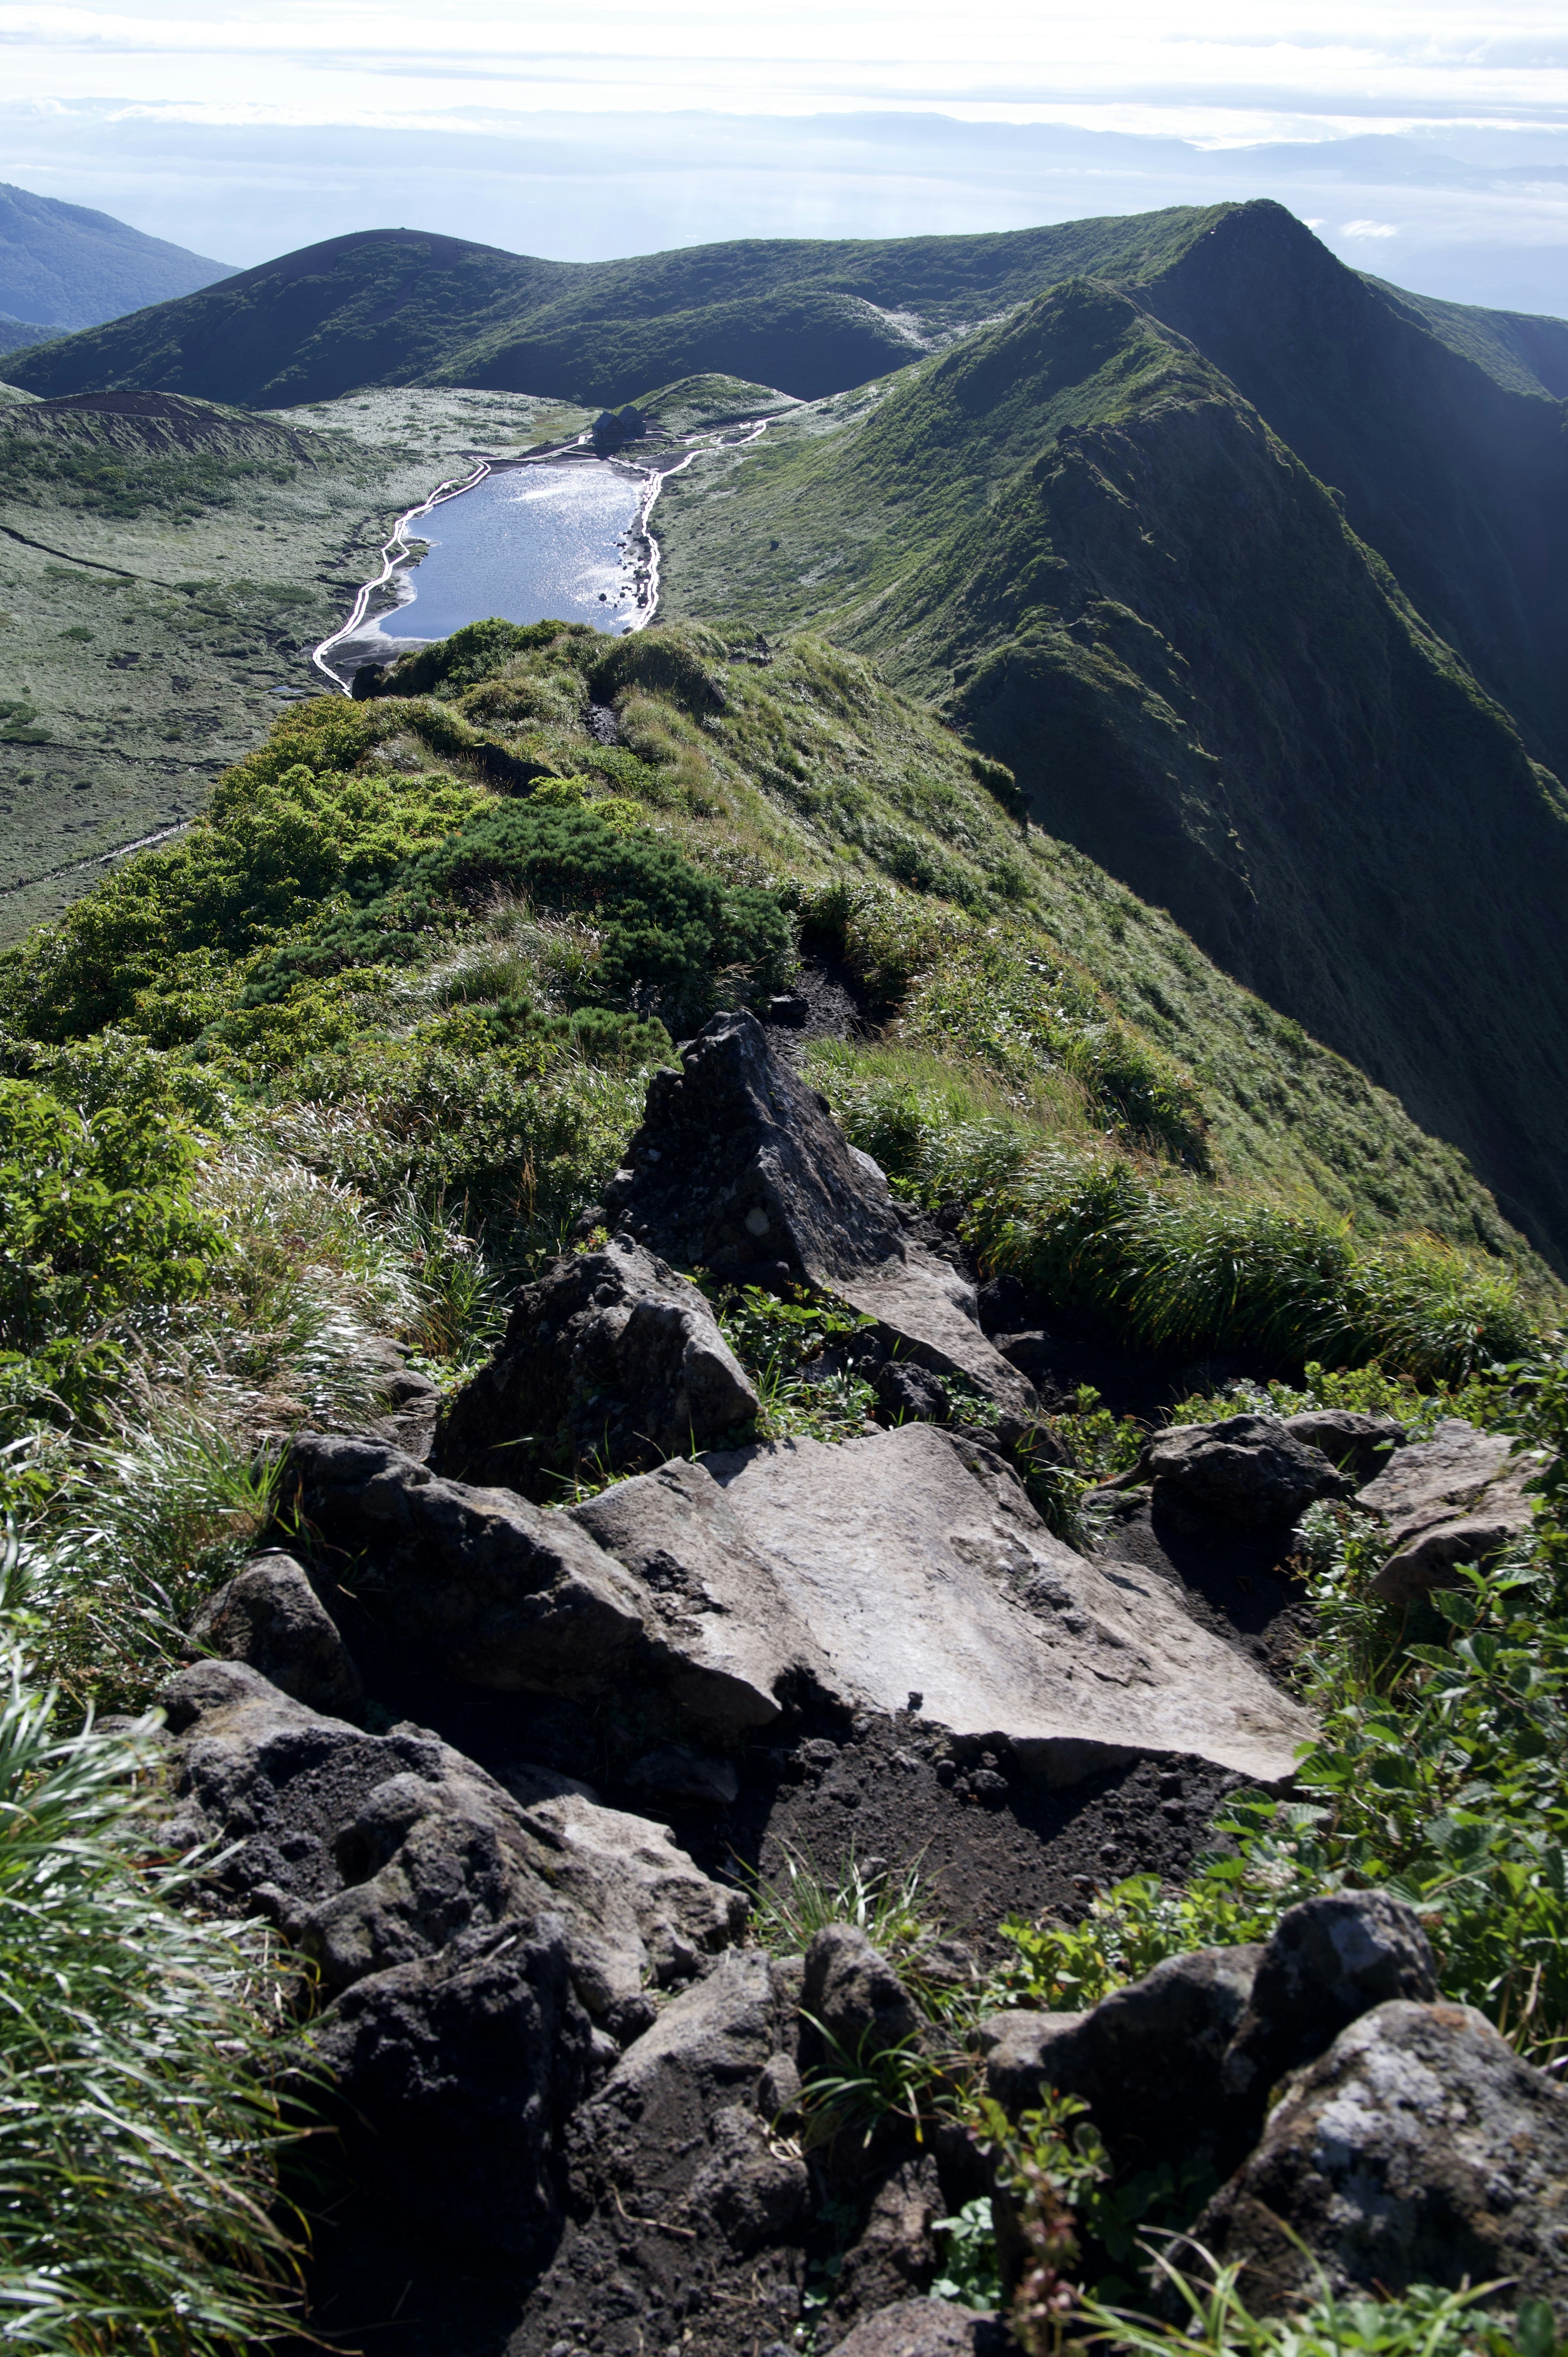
(64, 267)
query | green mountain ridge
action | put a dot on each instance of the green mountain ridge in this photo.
(1081, 533)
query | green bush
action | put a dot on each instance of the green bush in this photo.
(270, 850)
(96, 1217)
(474, 653)
(670, 938)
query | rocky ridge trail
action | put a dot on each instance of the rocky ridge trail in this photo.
(501, 1771)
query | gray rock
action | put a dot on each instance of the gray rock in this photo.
(1329, 1960)
(1245, 1473)
(377, 1852)
(918, 1564)
(1357, 1443)
(853, 1993)
(895, 2253)
(751, 2188)
(778, 2089)
(1418, 2149)
(269, 1614)
(610, 1361)
(489, 1588)
(681, 1778)
(408, 1401)
(739, 1168)
(528, 1782)
(1147, 2060)
(927, 2327)
(1457, 1498)
(730, 1644)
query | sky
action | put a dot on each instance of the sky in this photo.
(1428, 144)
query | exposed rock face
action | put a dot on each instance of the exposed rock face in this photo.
(737, 1642)
(740, 1168)
(918, 1564)
(1328, 1961)
(1419, 2148)
(1247, 1473)
(1147, 2060)
(610, 1359)
(1457, 1498)
(270, 1615)
(855, 1994)
(679, 2197)
(374, 1853)
(498, 1593)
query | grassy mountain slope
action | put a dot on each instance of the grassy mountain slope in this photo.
(165, 568)
(1135, 595)
(66, 266)
(1525, 352)
(1459, 482)
(397, 306)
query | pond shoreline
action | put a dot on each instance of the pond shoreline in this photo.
(359, 641)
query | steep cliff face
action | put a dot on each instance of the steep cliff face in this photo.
(1138, 596)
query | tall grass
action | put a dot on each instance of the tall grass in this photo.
(1177, 1263)
(138, 2131)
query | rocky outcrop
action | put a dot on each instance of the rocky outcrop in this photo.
(1327, 1962)
(1245, 1473)
(854, 1995)
(918, 1564)
(739, 1168)
(929, 2328)
(269, 1616)
(1418, 2149)
(374, 1853)
(609, 1362)
(1457, 1498)
(1357, 1444)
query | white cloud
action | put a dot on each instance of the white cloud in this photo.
(1369, 229)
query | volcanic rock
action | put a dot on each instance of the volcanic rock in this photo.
(1419, 2149)
(1327, 1962)
(1245, 1473)
(270, 1615)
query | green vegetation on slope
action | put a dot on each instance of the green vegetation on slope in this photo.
(1135, 597)
(397, 306)
(164, 569)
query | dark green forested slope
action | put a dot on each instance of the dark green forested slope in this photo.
(1138, 596)
(397, 306)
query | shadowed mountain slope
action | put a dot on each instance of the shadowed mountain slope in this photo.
(1136, 593)
(67, 266)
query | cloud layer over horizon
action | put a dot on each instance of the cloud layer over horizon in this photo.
(1429, 145)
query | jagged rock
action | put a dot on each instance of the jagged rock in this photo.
(270, 1615)
(918, 1564)
(609, 1358)
(473, 1952)
(1147, 2060)
(1245, 1473)
(927, 2327)
(682, 1778)
(895, 2253)
(492, 1589)
(739, 1168)
(377, 1852)
(733, 1646)
(853, 1993)
(754, 2190)
(408, 1400)
(1457, 1498)
(679, 2198)
(1357, 1443)
(1328, 1961)
(1418, 2149)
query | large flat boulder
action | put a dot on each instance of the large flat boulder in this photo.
(740, 1168)
(920, 1567)
(609, 1360)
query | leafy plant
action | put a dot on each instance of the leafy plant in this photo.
(970, 2274)
(787, 1912)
